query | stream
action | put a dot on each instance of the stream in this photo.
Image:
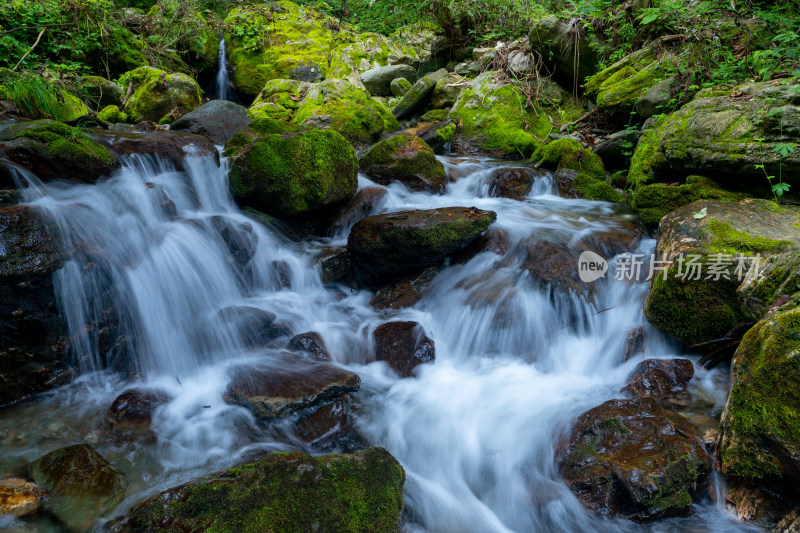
(477, 430)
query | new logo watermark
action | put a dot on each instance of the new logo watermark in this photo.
(690, 267)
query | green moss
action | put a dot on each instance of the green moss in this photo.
(655, 200)
(726, 239)
(613, 425)
(112, 114)
(673, 494)
(446, 134)
(566, 153)
(157, 95)
(620, 85)
(435, 114)
(591, 188)
(61, 142)
(287, 492)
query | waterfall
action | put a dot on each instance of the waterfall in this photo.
(221, 83)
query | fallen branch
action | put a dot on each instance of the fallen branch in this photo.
(39, 38)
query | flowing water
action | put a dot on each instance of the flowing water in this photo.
(476, 431)
(222, 89)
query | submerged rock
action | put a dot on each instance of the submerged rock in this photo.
(295, 175)
(405, 292)
(408, 240)
(286, 384)
(256, 327)
(634, 458)
(53, 150)
(514, 183)
(218, 120)
(83, 484)
(588, 177)
(158, 95)
(347, 493)
(311, 343)
(336, 265)
(407, 159)
(19, 497)
(404, 346)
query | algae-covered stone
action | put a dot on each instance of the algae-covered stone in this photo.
(779, 282)
(82, 482)
(446, 91)
(399, 86)
(159, 96)
(589, 180)
(100, 91)
(730, 136)
(112, 115)
(378, 80)
(295, 174)
(354, 54)
(408, 240)
(416, 97)
(347, 493)
(692, 303)
(407, 159)
(53, 150)
(760, 436)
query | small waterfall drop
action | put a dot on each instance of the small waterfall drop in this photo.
(222, 89)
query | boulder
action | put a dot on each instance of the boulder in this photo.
(132, 411)
(32, 342)
(723, 241)
(287, 383)
(733, 137)
(311, 73)
(100, 91)
(446, 91)
(399, 87)
(335, 264)
(287, 491)
(437, 134)
(361, 52)
(655, 100)
(416, 97)
(330, 426)
(239, 237)
(255, 327)
(560, 42)
(19, 497)
(294, 175)
(636, 459)
(514, 183)
(780, 280)
(408, 240)
(360, 206)
(52, 150)
(378, 80)
(176, 146)
(666, 380)
(82, 483)
(159, 96)
(589, 182)
(310, 343)
(616, 149)
(112, 115)
(404, 346)
(406, 292)
(404, 158)
(554, 266)
(219, 120)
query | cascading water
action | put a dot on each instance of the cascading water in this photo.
(167, 251)
(222, 89)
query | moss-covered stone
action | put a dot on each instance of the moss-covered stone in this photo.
(346, 493)
(112, 114)
(53, 150)
(294, 174)
(159, 96)
(760, 431)
(407, 159)
(100, 92)
(399, 87)
(780, 280)
(568, 154)
(353, 54)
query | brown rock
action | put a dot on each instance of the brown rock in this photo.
(132, 411)
(326, 422)
(311, 343)
(403, 345)
(172, 145)
(336, 265)
(514, 183)
(664, 379)
(555, 265)
(19, 497)
(495, 240)
(360, 206)
(405, 292)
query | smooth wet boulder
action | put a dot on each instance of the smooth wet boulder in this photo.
(288, 491)
(404, 158)
(723, 240)
(732, 136)
(335, 265)
(159, 96)
(19, 497)
(176, 146)
(360, 206)
(287, 383)
(378, 80)
(219, 120)
(514, 183)
(310, 343)
(82, 483)
(406, 292)
(32, 341)
(100, 91)
(636, 459)
(331, 426)
(403, 346)
(560, 43)
(666, 380)
(132, 411)
(295, 175)
(407, 240)
(52, 150)
(779, 281)
(416, 97)
(589, 179)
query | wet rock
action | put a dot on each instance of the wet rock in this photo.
(218, 120)
(19, 497)
(286, 384)
(100, 91)
(560, 42)
(634, 344)
(32, 343)
(53, 150)
(281, 271)
(700, 310)
(256, 327)
(311, 343)
(160, 198)
(612, 150)
(564, 179)
(9, 197)
(378, 80)
(83, 484)
(239, 238)
(636, 459)
(404, 346)
(667, 380)
(159, 96)
(399, 87)
(336, 265)
(360, 206)
(404, 158)
(514, 183)
(328, 425)
(287, 492)
(495, 240)
(437, 134)
(623, 237)
(418, 95)
(762, 505)
(554, 265)
(175, 146)
(405, 292)
(309, 73)
(132, 411)
(567, 153)
(408, 240)
(276, 174)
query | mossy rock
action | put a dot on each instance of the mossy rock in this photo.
(348, 493)
(407, 159)
(354, 54)
(159, 96)
(100, 92)
(699, 308)
(295, 174)
(656, 200)
(780, 280)
(53, 150)
(417, 96)
(588, 179)
(733, 137)
(399, 87)
(760, 435)
(112, 115)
